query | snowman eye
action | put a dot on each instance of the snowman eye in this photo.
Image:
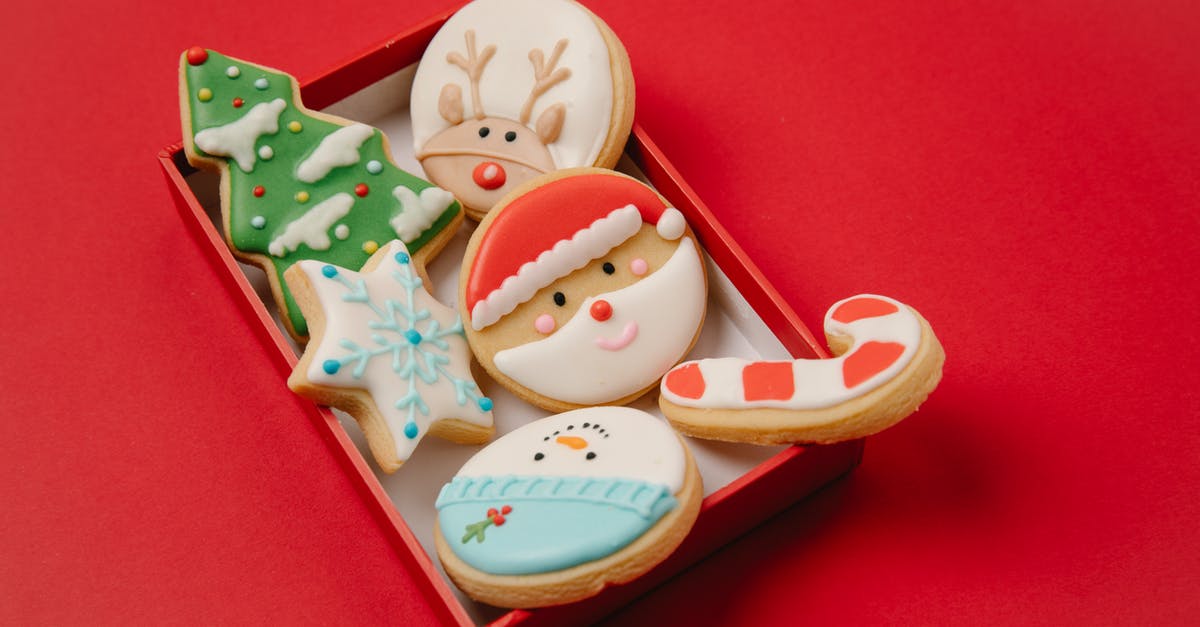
(538, 457)
(608, 268)
(560, 299)
(591, 456)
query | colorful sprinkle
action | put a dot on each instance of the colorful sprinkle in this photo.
(485, 404)
(342, 231)
(331, 367)
(412, 336)
(261, 84)
(295, 126)
(258, 222)
(233, 71)
(259, 190)
(370, 246)
(411, 430)
(374, 166)
(197, 55)
(361, 190)
(301, 196)
(204, 95)
(266, 152)
(402, 258)
(329, 271)
(238, 102)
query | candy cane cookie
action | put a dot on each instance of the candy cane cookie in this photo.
(888, 361)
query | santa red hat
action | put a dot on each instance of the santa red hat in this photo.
(555, 229)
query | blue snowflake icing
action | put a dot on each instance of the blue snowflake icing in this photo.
(416, 354)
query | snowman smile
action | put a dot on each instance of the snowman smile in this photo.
(628, 334)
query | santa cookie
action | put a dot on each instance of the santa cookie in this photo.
(888, 362)
(510, 89)
(299, 184)
(582, 288)
(556, 510)
(387, 353)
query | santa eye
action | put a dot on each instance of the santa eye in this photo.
(591, 456)
(483, 131)
(538, 457)
(608, 268)
(560, 299)
(510, 136)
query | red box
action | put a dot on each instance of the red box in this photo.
(726, 513)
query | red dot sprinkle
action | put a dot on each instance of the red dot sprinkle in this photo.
(238, 102)
(361, 189)
(498, 520)
(492, 512)
(506, 509)
(196, 55)
(259, 191)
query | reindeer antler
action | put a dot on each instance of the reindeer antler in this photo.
(473, 66)
(545, 76)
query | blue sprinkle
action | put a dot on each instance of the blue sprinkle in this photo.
(261, 84)
(411, 430)
(412, 336)
(402, 258)
(331, 366)
(374, 167)
(485, 404)
(329, 271)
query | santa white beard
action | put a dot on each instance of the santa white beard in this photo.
(658, 315)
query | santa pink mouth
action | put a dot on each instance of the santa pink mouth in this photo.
(627, 335)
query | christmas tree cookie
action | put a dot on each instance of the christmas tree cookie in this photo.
(387, 353)
(298, 184)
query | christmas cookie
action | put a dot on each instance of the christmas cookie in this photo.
(888, 363)
(297, 184)
(583, 287)
(510, 89)
(556, 510)
(387, 353)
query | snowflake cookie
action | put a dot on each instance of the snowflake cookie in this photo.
(385, 351)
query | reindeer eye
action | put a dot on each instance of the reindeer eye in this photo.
(560, 299)
(483, 131)
(608, 268)
(510, 136)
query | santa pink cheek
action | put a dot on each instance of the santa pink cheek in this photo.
(638, 266)
(544, 324)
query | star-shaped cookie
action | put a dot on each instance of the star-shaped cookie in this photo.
(389, 354)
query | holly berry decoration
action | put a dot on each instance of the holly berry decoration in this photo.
(494, 517)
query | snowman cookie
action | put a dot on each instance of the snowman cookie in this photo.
(888, 362)
(583, 287)
(385, 351)
(511, 89)
(557, 509)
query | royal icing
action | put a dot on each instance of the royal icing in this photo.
(518, 86)
(651, 326)
(562, 491)
(886, 336)
(276, 148)
(386, 335)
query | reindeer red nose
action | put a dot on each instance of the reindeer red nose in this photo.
(489, 175)
(601, 310)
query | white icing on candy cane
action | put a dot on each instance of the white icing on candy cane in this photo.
(886, 336)
(236, 139)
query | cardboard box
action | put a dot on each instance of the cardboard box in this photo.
(744, 484)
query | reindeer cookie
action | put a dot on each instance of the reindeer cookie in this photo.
(557, 509)
(511, 89)
(582, 287)
(888, 362)
(299, 184)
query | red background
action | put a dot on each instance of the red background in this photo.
(1026, 176)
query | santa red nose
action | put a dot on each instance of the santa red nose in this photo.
(601, 310)
(489, 175)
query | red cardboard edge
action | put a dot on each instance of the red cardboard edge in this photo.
(725, 514)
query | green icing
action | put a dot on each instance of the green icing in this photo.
(254, 221)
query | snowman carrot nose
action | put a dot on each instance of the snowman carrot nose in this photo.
(572, 441)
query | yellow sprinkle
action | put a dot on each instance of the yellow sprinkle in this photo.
(295, 126)
(205, 94)
(301, 196)
(370, 246)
